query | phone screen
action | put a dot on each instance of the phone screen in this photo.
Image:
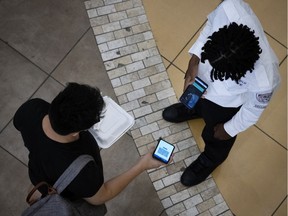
(163, 151)
(193, 92)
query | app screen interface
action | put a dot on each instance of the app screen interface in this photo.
(193, 94)
(164, 151)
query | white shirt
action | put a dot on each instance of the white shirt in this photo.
(254, 90)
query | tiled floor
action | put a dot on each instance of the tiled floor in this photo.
(43, 46)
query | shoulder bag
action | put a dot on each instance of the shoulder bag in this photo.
(54, 204)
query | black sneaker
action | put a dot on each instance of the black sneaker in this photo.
(179, 113)
(197, 171)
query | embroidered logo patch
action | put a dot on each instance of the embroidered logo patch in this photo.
(264, 98)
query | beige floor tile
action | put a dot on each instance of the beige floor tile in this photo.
(174, 22)
(10, 138)
(280, 50)
(183, 58)
(253, 180)
(19, 79)
(273, 16)
(177, 79)
(48, 90)
(84, 65)
(39, 35)
(14, 182)
(6, 5)
(274, 119)
(12, 142)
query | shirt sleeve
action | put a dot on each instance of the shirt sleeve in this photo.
(88, 181)
(23, 113)
(18, 117)
(249, 112)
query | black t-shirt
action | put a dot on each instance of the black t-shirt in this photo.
(48, 159)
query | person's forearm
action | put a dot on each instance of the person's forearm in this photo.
(193, 64)
(114, 186)
(192, 70)
(120, 182)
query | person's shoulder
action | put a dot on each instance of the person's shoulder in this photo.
(30, 108)
(264, 77)
(238, 5)
(237, 11)
(233, 9)
(34, 102)
(37, 101)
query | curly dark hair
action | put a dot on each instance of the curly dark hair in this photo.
(231, 51)
(78, 107)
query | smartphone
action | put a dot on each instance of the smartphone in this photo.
(163, 151)
(193, 92)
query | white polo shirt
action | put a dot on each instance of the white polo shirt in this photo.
(253, 91)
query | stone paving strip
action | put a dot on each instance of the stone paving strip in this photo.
(142, 86)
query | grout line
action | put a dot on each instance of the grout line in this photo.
(17, 51)
(279, 206)
(283, 61)
(10, 152)
(13, 156)
(162, 212)
(199, 29)
(69, 51)
(270, 137)
(172, 64)
(49, 75)
(5, 126)
(59, 63)
(43, 82)
(276, 40)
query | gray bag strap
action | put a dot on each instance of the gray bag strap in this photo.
(71, 172)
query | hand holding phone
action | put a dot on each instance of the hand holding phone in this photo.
(163, 151)
(193, 92)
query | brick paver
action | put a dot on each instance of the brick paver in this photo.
(143, 89)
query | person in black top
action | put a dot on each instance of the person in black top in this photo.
(56, 134)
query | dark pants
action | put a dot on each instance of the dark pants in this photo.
(215, 150)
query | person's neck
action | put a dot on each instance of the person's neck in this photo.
(50, 133)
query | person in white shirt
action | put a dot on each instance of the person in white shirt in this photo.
(232, 55)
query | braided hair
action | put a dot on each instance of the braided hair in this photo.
(231, 51)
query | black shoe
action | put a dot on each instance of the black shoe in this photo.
(179, 113)
(197, 172)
